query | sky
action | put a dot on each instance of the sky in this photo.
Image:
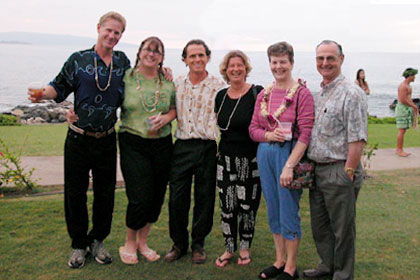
(249, 25)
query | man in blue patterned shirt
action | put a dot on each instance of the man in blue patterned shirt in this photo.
(96, 77)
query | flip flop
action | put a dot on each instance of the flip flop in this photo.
(127, 258)
(271, 272)
(151, 255)
(226, 261)
(244, 259)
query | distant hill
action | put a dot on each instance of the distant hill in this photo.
(47, 39)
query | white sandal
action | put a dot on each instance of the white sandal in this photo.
(128, 258)
(151, 255)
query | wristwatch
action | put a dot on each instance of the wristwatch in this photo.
(289, 166)
(349, 171)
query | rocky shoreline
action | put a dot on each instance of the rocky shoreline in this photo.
(47, 112)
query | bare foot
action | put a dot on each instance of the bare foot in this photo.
(130, 247)
(244, 257)
(224, 259)
(148, 253)
(402, 154)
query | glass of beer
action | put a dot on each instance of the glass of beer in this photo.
(37, 90)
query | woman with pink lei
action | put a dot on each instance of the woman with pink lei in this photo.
(282, 123)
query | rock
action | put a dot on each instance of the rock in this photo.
(39, 120)
(17, 112)
(61, 118)
(49, 111)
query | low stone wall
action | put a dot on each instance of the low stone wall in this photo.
(47, 112)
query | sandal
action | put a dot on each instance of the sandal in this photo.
(128, 258)
(222, 262)
(271, 272)
(151, 255)
(244, 260)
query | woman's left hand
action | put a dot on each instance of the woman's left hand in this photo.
(286, 177)
(159, 121)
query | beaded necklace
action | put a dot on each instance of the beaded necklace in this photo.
(96, 72)
(148, 107)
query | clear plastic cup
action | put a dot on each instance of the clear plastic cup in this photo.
(286, 129)
(37, 90)
(149, 124)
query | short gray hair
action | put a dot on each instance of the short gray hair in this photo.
(331, 42)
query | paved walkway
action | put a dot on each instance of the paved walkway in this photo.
(49, 169)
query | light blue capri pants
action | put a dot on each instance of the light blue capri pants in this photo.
(282, 203)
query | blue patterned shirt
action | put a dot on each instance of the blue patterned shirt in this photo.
(96, 109)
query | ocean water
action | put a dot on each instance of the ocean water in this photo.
(22, 64)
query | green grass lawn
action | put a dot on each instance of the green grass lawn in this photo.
(34, 242)
(48, 139)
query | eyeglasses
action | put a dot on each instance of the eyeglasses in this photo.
(155, 51)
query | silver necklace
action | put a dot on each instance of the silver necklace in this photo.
(96, 73)
(233, 111)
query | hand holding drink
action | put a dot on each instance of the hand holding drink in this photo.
(36, 92)
(154, 123)
(286, 129)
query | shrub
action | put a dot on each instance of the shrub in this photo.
(386, 120)
(12, 172)
(6, 120)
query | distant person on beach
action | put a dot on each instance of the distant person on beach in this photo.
(95, 76)
(282, 122)
(194, 154)
(361, 81)
(338, 138)
(238, 178)
(145, 142)
(406, 111)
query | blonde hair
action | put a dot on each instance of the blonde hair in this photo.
(225, 62)
(113, 15)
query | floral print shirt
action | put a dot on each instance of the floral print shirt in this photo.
(340, 118)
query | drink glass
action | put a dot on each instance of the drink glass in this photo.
(149, 125)
(286, 129)
(37, 89)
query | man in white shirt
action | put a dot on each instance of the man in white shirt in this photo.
(194, 154)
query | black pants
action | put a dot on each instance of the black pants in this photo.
(196, 158)
(145, 166)
(81, 155)
(239, 185)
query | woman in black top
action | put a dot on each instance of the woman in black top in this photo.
(237, 173)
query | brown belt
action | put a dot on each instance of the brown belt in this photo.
(97, 135)
(330, 163)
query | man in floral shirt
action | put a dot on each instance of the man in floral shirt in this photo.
(338, 138)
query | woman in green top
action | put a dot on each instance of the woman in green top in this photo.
(145, 143)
